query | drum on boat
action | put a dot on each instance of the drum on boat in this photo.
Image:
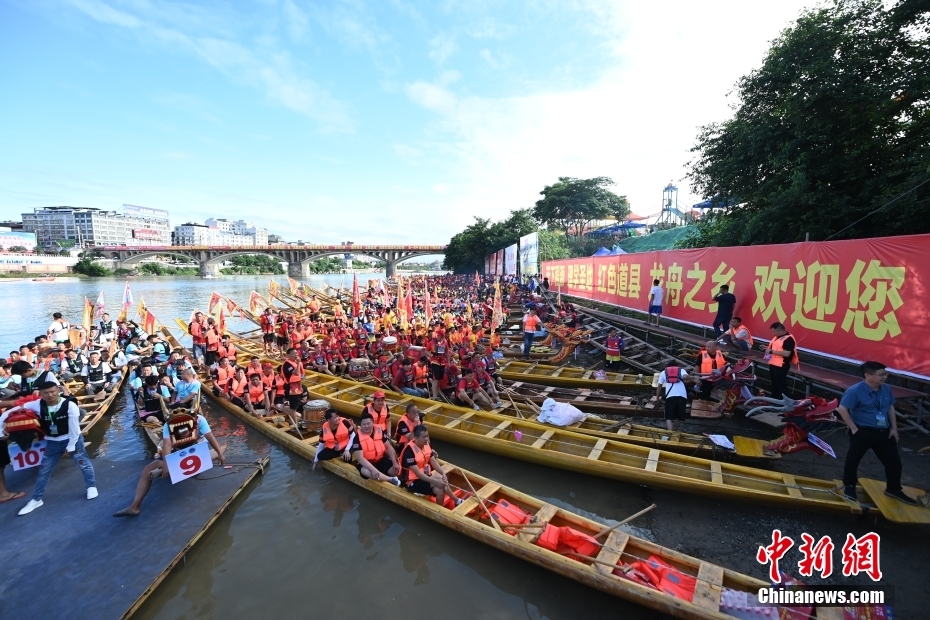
(359, 368)
(314, 410)
(389, 343)
(415, 352)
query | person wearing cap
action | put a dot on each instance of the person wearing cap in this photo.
(379, 412)
(60, 420)
(159, 349)
(374, 455)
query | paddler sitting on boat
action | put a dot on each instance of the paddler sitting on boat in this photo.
(469, 391)
(336, 438)
(222, 374)
(379, 412)
(237, 388)
(258, 399)
(711, 366)
(160, 349)
(186, 390)
(337, 363)
(150, 397)
(406, 424)
(318, 361)
(486, 383)
(420, 471)
(177, 433)
(96, 375)
(405, 380)
(375, 458)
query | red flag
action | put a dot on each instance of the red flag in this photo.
(148, 323)
(222, 323)
(294, 284)
(408, 302)
(215, 298)
(356, 298)
(429, 306)
(231, 306)
(88, 315)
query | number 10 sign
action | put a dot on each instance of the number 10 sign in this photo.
(30, 458)
(189, 462)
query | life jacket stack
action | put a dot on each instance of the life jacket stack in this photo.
(565, 539)
(657, 574)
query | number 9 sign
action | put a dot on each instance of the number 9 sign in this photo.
(189, 461)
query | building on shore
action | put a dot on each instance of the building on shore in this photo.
(56, 227)
(221, 232)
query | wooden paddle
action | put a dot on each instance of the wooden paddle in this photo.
(494, 522)
(625, 521)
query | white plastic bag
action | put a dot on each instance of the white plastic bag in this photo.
(559, 414)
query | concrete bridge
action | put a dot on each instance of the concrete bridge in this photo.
(298, 257)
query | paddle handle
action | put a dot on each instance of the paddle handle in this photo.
(625, 521)
(480, 501)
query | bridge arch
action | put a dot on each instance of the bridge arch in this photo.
(135, 259)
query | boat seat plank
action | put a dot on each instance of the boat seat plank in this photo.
(455, 423)
(542, 516)
(557, 372)
(598, 449)
(892, 509)
(746, 446)
(539, 443)
(653, 462)
(716, 473)
(611, 551)
(709, 585)
(791, 486)
(472, 502)
(500, 427)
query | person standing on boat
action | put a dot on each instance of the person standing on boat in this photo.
(868, 410)
(671, 388)
(197, 329)
(781, 353)
(374, 455)
(614, 347)
(420, 472)
(58, 330)
(60, 420)
(107, 329)
(530, 327)
(267, 325)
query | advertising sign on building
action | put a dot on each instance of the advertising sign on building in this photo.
(510, 260)
(137, 211)
(529, 254)
(15, 238)
(145, 233)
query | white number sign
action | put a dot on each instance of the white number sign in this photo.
(30, 458)
(189, 461)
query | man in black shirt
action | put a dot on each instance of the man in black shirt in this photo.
(726, 302)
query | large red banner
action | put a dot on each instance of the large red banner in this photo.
(867, 299)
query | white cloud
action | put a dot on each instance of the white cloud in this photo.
(297, 21)
(441, 47)
(489, 58)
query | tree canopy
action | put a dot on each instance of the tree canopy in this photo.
(572, 204)
(467, 250)
(832, 126)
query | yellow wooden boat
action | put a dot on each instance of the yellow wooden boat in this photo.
(566, 376)
(564, 449)
(602, 570)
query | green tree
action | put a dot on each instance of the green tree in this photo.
(88, 267)
(834, 124)
(18, 248)
(467, 250)
(572, 204)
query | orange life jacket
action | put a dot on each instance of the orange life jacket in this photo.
(380, 419)
(372, 445)
(778, 344)
(297, 376)
(213, 339)
(732, 331)
(707, 362)
(401, 439)
(257, 394)
(223, 376)
(231, 353)
(422, 457)
(339, 440)
(196, 332)
(237, 387)
(421, 374)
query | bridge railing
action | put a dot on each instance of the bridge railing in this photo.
(259, 248)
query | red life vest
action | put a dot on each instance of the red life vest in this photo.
(293, 383)
(672, 374)
(401, 438)
(213, 339)
(613, 346)
(339, 440)
(224, 376)
(380, 418)
(257, 394)
(372, 445)
(421, 456)
(237, 387)
(196, 331)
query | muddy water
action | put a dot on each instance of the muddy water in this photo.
(309, 544)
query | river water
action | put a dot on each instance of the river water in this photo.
(301, 544)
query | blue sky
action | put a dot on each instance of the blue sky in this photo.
(386, 121)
